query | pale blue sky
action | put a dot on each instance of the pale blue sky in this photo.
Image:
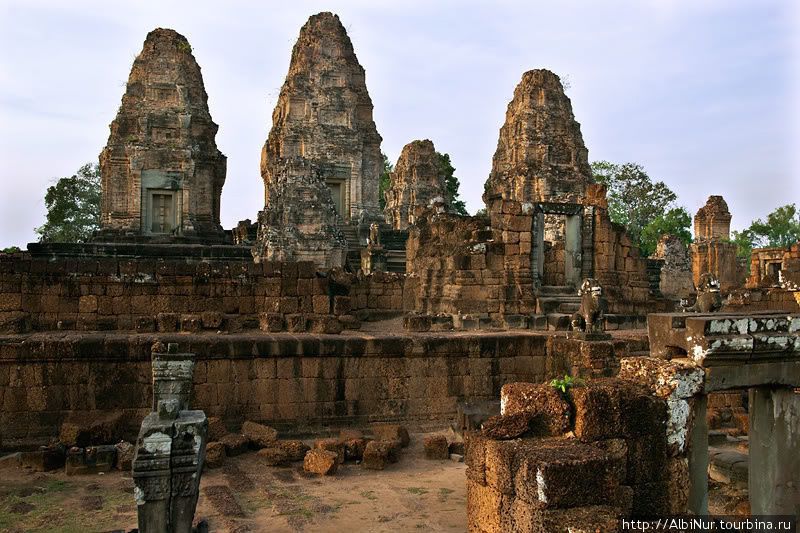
(703, 94)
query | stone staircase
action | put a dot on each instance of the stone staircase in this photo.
(557, 303)
(353, 246)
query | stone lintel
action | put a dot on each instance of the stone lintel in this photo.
(743, 376)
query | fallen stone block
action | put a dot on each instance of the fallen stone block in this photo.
(235, 444)
(321, 462)
(90, 460)
(259, 435)
(332, 445)
(125, 454)
(273, 456)
(295, 449)
(436, 447)
(417, 322)
(45, 459)
(390, 432)
(104, 430)
(379, 454)
(215, 454)
(216, 429)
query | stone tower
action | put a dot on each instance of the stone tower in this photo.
(540, 154)
(416, 181)
(711, 250)
(162, 174)
(324, 115)
(713, 220)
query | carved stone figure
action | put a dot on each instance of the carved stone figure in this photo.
(589, 317)
(170, 449)
(708, 297)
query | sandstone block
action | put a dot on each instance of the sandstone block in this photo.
(320, 462)
(296, 323)
(191, 323)
(549, 411)
(610, 408)
(44, 459)
(235, 444)
(295, 449)
(378, 454)
(328, 324)
(388, 432)
(332, 445)
(259, 435)
(167, 322)
(211, 319)
(125, 454)
(272, 322)
(273, 456)
(215, 454)
(216, 429)
(436, 447)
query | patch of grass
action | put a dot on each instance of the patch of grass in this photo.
(444, 493)
(417, 490)
(368, 494)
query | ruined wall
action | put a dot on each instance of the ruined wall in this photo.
(472, 265)
(161, 170)
(676, 271)
(766, 290)
(284, 380)
(416, 181)
(324, 115)
(151, 295)
(765, 263)
(711, 251)
(300, 222)
(618, 264)
(381, 291)
(540, 154)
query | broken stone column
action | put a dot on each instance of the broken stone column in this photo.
(774, 456)
(162, 174)
(540, 154)
(417, 180)
(170, 449)
(324, 116)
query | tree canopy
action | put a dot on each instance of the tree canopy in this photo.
(456, 206)
(782, 228)
(385, 182)
(676, 222)
(73, 207)
(635, 201)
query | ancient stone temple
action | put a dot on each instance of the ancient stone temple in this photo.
(540, 154)
(417, 180)
(324, 116)
(162, 173)
(712, 251)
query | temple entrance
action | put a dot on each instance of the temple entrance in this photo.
(161, 211)
(557, 245)
(337, 193)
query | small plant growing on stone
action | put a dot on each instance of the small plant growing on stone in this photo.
(566, 383)
(184, 46)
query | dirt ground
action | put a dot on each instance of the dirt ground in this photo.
(415, 494)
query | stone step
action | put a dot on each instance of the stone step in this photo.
(551, 304)
(727, 466)
(556, 290)
(569, 307)
(558, 321)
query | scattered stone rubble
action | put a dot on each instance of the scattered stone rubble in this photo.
(162, 174)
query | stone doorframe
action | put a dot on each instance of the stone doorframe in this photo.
(758, 352)
(578, 236)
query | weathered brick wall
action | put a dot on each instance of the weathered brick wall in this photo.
(618, 264)
(112, 294)
(285, 380)
(380, 291)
